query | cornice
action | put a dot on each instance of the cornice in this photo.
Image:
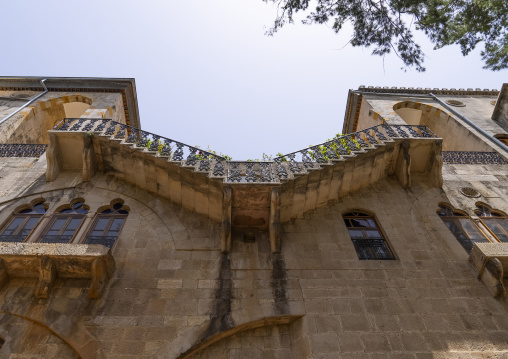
(426, 91)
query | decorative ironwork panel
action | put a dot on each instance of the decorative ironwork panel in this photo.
(102, 126)
(280, 169)
(360, 140)
(154, 145)
(107, 241)
(7, 238)
(266, 172)
(318, 156)
(78, 124)
(111, 129)
(372, 140)
(413, 132)
(143, 141)
(426, 132)
(400, 131)
(22, 150)
(307, 162)
(121, 132)
(234, 172)
(192, 158)
(473, 158)
(55, 239)
(379, 134)
(204, 165)
(218, 169)
(293, 165)
(372, 249)
(133, 137)
(389, 131)
(166, 149)
(250, 173)
(90, 125)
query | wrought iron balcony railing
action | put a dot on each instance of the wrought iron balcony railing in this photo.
(165, 147)
(22, 150)
(313, 157)
(281, 169)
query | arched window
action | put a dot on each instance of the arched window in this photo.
(64, 225)
(366, 236)
(21, 224)
(107, 225)
(462, 227)
(495, 221)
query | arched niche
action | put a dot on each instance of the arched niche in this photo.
(75, 109)
(410, 115)
(32, 123)
(456, 137)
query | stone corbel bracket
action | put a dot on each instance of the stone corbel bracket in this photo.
(490, 261)
(47, 261)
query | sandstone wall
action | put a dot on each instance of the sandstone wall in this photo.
(173, 289)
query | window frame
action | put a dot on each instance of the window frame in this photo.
(454, 218)
(492, 216)
(68, 217)
(27, 211)
(27, 217)
(111, 217)
(360, 214)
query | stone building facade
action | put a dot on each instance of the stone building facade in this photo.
(388, 242)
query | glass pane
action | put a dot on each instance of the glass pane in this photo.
(29, 210)
(355, 233)
(77, 205)
(29, 225)
(115, 227)
(465, 231)
(359, 222)
(101, 224)
(32, 222)
(81, 210)
(499, 227)
(471, 230)
(373, 234)
(56, 226)
(74, 223)
(66, 210)
(39, 208)
(107, 211)
(15, 223)
(372, 249)
(117, 206)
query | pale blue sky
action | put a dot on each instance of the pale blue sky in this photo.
(207, 75)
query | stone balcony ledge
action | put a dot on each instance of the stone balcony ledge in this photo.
(490, 262)
(47, 261)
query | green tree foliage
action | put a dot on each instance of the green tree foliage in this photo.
(387, 25)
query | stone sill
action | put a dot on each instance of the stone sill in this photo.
(490, 262)
(47, 261)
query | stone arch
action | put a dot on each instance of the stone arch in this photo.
(33, 122)
(456, 137)
(74, 337)
(180, 348)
